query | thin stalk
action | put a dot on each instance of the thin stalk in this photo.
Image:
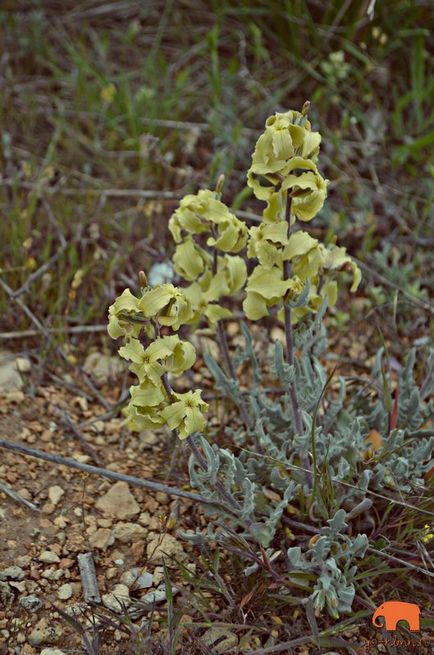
(298, 420)
(289, 335)
(218, 486)
(224, 346)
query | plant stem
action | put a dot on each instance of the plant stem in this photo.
(298, 420)
(224, 346)
(227, 357)
(288, 334)
(218, 486)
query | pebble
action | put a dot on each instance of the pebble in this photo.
(148, 439)
(134, 577)
(119, 597)
(52, 651)
(55, 493)
(118, 502)
(12, 573)
(127, 532)
(166, 547)
(220, 640)
(48, 557)
(65, 591)
(157, 596)
(102, 539)
(31, 603)
(44, 632)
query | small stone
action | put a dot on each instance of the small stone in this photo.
(48, 557)
(52, 574)
(165, 546)
(127, 532)
(65, 591)
(148, 439)
(12, 573)
(15, 397)
(6, 595)
(134, 577)
(10, 379)
(44, 633)
(119, 502)
(31, 603)
(137, 550)
(55, 494)
(162, 498)
(23, 364)
(103, 368)
(220, 640)
(117, 599)
(157, 596)
(52, 651)
(102, 539)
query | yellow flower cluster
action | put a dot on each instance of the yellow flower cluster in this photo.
(151, 406)
(284, 161)
(202, 221)
(284, 171)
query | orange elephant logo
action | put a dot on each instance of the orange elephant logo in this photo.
(394, 611)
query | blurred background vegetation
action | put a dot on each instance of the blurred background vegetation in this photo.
(111, 111)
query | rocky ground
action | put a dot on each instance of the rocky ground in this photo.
(127, 529)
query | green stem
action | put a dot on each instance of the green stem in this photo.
(296, 411)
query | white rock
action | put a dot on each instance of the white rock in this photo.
(23, 364)
(167, 547)
(44, 633)
(119, 502)
(65, 591)
(52, 651)
(119, 597)
(157, 596)
(10, 378)
(48, 557)
(134, 577)
(31, 603)
(102, 539)
(148, 439)
(103, 368)
(12, 573)
(225, 640)
(55, 493)
(127, 532)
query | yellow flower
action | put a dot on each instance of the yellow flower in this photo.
(186, 413)
(190, 260)
(265, 288)
(267, 242)
(205, 294)
(144, 418)
(164, 355)
(125, 307)
(203, 213)
(284, 162)
(168, 304)
(336, 257)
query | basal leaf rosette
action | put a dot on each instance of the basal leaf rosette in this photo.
(204, 214)
(185, 413)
